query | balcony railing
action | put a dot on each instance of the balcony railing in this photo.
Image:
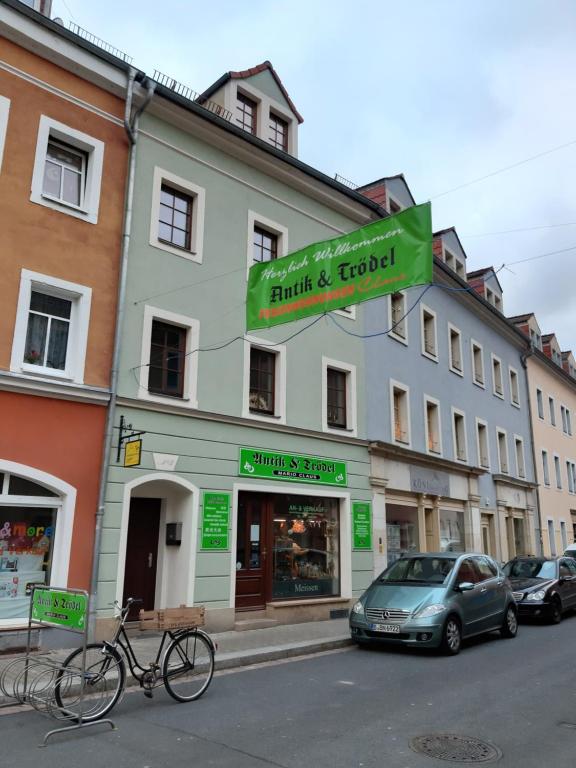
(188, 93)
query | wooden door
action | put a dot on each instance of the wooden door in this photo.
(252, 551)
(142, 553)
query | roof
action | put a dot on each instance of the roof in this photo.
(384, 179)
(245, 73)
(521, 318)
(547, 337)
(482, 272)
(441, 232)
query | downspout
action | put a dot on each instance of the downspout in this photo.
(523, 357)
(131, 128)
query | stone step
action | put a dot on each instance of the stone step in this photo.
(254, 623)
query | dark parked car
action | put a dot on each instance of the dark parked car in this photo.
(435, 599)
(543, 588)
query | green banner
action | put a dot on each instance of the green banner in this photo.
(60, 608)
(362, 524)
(291, 466)
(215, 520)
(383, 257)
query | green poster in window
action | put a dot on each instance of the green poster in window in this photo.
(215, 521)
(60, 608)
(382, 257)
(362, 524)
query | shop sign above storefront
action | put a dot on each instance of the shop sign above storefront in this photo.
(60, 608)
(382, 257)
(215, 520)
(429, 481)
(291, 466)
(362, 525)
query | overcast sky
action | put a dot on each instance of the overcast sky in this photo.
(444, 91)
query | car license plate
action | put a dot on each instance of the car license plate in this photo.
(393, 628)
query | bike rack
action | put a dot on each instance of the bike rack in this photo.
(31, 679)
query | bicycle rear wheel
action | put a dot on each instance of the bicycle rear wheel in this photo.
(188, 666)
(93, 695)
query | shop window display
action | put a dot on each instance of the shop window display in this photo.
(451, 531)
(401, 531)
(306, 536)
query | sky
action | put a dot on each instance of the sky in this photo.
(443, 91)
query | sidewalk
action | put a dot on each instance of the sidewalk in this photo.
(238, 649)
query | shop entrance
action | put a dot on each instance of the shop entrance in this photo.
(252, 547)
(142, 553)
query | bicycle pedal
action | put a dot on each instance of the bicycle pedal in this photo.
(148, 694)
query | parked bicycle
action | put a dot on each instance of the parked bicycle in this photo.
(184, 664)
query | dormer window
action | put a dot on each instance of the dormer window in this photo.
(449, 259)
(246, 113)
(278, 132)
(393, 206)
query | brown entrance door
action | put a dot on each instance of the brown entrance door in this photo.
(142, 553)
(252, 551)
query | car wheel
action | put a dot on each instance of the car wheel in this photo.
(510, 626)
(555, 611)
(451, 637)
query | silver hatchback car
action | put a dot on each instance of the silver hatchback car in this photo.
(435, 600)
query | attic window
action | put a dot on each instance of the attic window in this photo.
(393, 206)
(246, 113)
(278, 132)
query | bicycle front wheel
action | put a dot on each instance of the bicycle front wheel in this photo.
(90, 694)
(188, 666)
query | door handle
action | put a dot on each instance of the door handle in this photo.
(484, 589)
(150, 559)
(500, 582)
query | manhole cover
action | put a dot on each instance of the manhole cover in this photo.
(457, 749)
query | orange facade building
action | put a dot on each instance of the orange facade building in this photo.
(63, 160)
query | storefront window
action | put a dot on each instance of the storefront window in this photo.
(451, 531)
(26, 542)
(401, 531)
(306, 537)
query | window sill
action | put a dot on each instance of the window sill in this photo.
(430, 356)
(45, 373)
(270, 419)
(88, 215)
(478, 383)
(182, 402)
(498, 394)
(57, 201)
(183, 253)
(457, 371)
(401, 339)
(344, 431)
(516, 405)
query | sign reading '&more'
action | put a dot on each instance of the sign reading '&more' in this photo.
(383, 257)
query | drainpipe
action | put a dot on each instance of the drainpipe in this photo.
(131, 128)
(523, 357)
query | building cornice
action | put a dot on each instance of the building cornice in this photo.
(31, 385)
(392, 451)
(515, 481)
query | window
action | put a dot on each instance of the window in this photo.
(264, 381)
(67, 170)
(520, 464)
(265, 245)
(568, 422)
(558, 472)
(460, 271)
(278, 132)
(393, 206)
(400, 413)
(177, 215)
(552, 411)
(267, 240)
(552, 538)
(545, 469)
(502, 450)
(459, 430)
(175, 219)
(482, 438)
(540, 403)
(564, 421)
(397, 317)
(167, 359)
(338, 396)
(497, 377)
(429, 343)
(246, 113)
(564, 537)
(570, 476)
(449, 259)
(455, 349)
(514, 393)
(4, 111)
(51, 328)
(477, 364)
(433, 434)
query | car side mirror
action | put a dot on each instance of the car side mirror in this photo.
(465, 586)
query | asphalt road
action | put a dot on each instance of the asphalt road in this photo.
(344, 708)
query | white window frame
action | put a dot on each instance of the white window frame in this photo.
(570, 475)
(449, 258)
(190, 388)
(540, 403)
(545, 467)
(452, 329)
(198, 195)
(520, 465)
(4, 112)
(558, 471)
(497, 361)
(476, 345)
(281, 232)
(81, 298)
(500, 432)
(457, 412)
(563, 534)
(552, 410)
(551, 537)
(460, 269)
(51, 130)
(392, 332)
(279, 415)
(432, 401)
(351, 428)
(402, 387)
(432, 316)
(484, 424)
(513, 376)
